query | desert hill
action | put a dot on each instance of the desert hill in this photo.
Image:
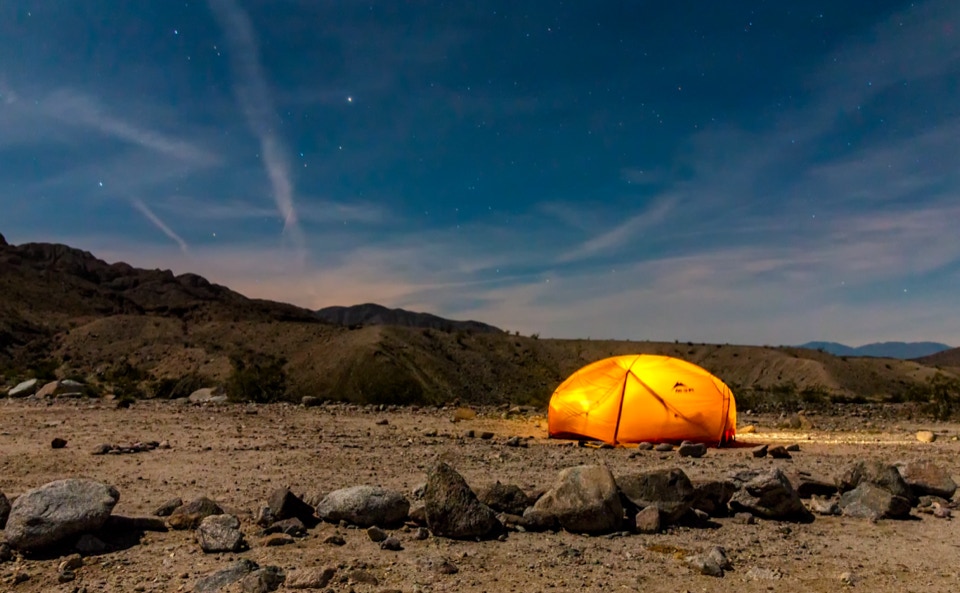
(948, 359)
(374, 314)
(127, 329)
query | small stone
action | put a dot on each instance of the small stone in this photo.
(263, 580)
(486, 435)
(265, 517)
(422, 533)
(648, 520)
(663, 447)
(688, 449)
(58, 443)
(430, 433)
(822, 506)
(764, 574)
(645, 446)
(6, 554)
(760, 451)
(847, 578)
(745, 518)
(164, 444)
(391, 543)
(277, 539)
(447, 567)
(719, 556)
(101, 449)
(704, 564)
(309, 578)
(748, 429)
(778, 452)
(167, 508)
(512, 442)
(90, 545)
(71, 562)
(335, 540)
(793, 448)
(376, 534)
(66, 576)
(383, 422)
(470, 434)
(926, 436)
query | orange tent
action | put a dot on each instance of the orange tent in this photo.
(643, 397)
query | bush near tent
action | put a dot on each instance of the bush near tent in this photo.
(643, 398)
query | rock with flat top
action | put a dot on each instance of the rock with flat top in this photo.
(58, 510)
(584, 499)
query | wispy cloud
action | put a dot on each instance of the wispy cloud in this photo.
(253, 95)
(155, 220)
(621, 233)
(78, 109)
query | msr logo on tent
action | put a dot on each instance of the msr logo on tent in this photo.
(679, 387)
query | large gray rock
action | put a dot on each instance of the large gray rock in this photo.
(59, 510)
(769, 495)
(62, 388)
(452, 508)
(505, 498)
(872, 502)
(669, 490)
(364, 506)
(926, 478)
(875, 472)
(4, 510)
(584, 499)
(24, 389)
(713, 496)
(220, 533)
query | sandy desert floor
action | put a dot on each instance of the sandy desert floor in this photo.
(238, 454)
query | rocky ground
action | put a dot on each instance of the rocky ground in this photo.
(240, 456)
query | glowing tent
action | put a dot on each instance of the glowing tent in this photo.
(643, 397)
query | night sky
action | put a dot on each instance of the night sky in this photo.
(745, 172)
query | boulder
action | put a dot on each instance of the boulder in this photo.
(713, 496)
(220, 533)
(874, 472)
(364, 506)
(57, 511)
(670, 490)
(190, 515)
(584, 499)
(648, 520)
(4, 510)
(453, 510)
(926, 478)
(873, 502)
(24, 389)
(287, 505)
(769, 495)
(808, 486)
(505, 498)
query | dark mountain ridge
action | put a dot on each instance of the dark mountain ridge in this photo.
(374, 314)
(900, 350)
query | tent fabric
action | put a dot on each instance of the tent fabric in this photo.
(643, 397)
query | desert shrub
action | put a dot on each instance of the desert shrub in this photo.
(944, 395)
(257, 378)
(45, 369)
(174, 388)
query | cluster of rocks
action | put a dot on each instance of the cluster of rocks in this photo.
(126, 448)
(75, 515)
(58, 388)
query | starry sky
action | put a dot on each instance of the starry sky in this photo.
(740, 171)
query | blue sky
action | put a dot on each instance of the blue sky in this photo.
(743, 172)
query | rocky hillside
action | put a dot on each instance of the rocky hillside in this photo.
(374, 314)
(65, 313)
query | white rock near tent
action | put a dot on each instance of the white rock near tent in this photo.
(62, 388)
(24, 389)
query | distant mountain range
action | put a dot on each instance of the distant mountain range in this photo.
(373, 314)
(900, 350)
